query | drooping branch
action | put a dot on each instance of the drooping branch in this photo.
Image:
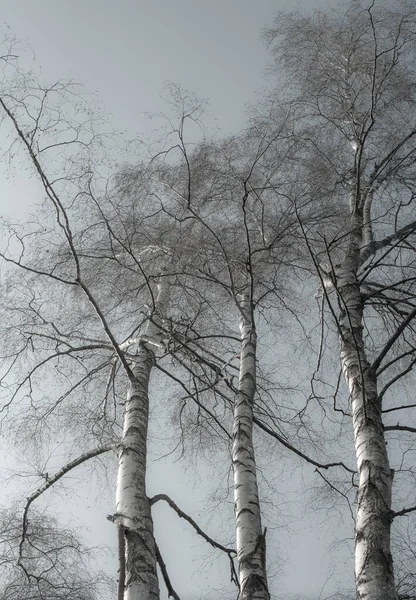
(229, 551)
(285, 443)
(37, 271)
(183, 515)
(335, 489)
(40, 364)
(51, 481)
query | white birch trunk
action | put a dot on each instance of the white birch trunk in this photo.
(373, 561)
(133, 512)
(251, 543)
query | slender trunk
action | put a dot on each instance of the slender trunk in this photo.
(251, 543)
(132, 504)
(373, 561)
(133, 513)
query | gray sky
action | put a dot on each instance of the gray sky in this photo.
(126, 51)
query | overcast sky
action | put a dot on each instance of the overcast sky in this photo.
(126, 51)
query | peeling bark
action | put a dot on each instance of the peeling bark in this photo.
(251, 543)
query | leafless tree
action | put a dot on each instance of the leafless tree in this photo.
(172, 267)
(246, 220)
(109, 260)
(350, 87)
(154, 269)
(54, 565)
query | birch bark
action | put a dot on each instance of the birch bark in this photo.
(133, 513)
(251, 543)
(373, 561)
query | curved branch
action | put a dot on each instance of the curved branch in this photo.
(40, 364)
(36, 271)
(183, 515)
(395, 380)
(50, 482)
(298, 452)
(335, 489)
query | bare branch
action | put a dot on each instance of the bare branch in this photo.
(50, 482)
(377, 362)
(182, 515)
(286, 444)
(337, 491)
(399, 428)
(402, 512)
(403, 407)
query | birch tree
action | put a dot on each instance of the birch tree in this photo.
(109, 262)
(248, 233)
(351, 92)
(197, 190)
(240, 204)
(172, 268)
